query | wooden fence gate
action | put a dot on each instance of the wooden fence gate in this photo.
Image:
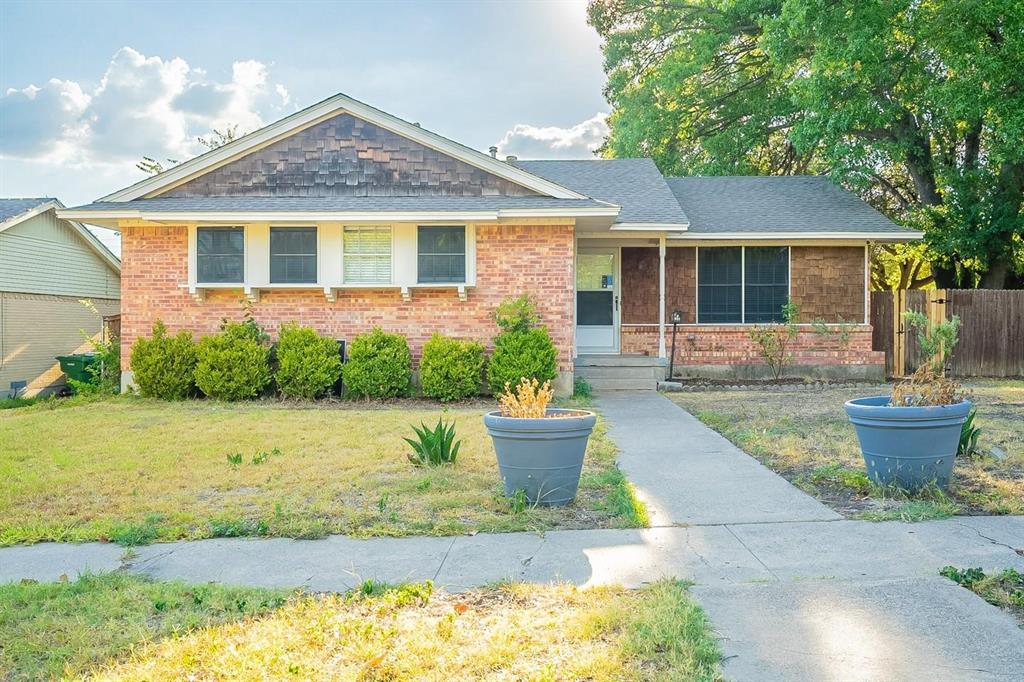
(991, 329)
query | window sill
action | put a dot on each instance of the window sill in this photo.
(252, 291)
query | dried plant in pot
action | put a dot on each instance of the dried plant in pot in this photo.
(910, 439)
(540, 449)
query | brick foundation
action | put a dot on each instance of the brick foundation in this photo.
(510, 260)
(716, 350)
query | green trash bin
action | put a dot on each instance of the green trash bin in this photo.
(77, 366)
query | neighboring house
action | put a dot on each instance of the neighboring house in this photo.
(344, 217)
(48, 266)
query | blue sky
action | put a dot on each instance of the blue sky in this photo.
(86, 88)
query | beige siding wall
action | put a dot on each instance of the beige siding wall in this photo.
(44, 255)
(36, 328)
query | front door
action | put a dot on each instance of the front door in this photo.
(597, 300)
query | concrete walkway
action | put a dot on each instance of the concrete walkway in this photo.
(688, 474)
(793, 593)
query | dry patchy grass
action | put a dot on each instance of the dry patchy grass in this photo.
(805, 437)
(134, 471)
(119, 627)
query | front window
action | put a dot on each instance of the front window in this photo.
(720, 285)
(367, 255)
(737, 285)
(441, 254)
(293, 255)
(220, 255)
(766, 283)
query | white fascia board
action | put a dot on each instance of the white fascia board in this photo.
(322, 111)
(905, 235)
(650, 227)
(331, 216)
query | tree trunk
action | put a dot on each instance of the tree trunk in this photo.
(995, 276)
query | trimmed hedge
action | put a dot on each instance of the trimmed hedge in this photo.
(308, 364)
(234, 364)
(518, 354)
(164, 366)
(379, 366)
(451, 369)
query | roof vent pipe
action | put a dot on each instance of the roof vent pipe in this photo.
(494, 152)
(511, 158)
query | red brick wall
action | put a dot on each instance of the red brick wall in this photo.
(731, 345)
(510, 259)
(640, 283)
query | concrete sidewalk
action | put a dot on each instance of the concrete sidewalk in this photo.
(688, 474)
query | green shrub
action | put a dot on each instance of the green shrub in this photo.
(518, 354)
(517, 314)
(234, 364)
(451, 369)
(307, 363)
(164, 366)
(379, 366)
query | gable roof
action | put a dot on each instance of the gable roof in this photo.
(312, 115)
(15, 211)
(634, 184)
(797, 206)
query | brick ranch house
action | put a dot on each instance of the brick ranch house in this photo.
(344, 217)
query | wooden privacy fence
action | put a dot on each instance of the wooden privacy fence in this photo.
(991, 329)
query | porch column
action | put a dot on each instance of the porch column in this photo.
(661, 296)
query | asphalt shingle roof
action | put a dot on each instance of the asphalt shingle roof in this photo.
(634, 184)
(419, 203)
(10, 208)
(774, 204)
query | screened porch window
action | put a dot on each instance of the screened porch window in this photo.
(441, 254)
(720, 285)
(366, 255)
(293, 255)
(766, 283)
(742, 285)
(220, 255)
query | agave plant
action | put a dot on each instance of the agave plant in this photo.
(434, 447)
(969, 437)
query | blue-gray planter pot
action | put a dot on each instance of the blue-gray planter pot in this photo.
(543, 457)
(909, 447)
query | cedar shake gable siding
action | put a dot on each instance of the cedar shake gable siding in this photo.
(346, 156)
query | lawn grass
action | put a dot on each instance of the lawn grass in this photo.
(134, 471)
(51, 629)
(806, 437)
(110, 627)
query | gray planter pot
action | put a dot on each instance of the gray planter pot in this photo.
(910, 447)
(543, 457)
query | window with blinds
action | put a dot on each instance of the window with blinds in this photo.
(742, 284)
(366, 255)
(441, 254)
(293, 255)
(220, 255)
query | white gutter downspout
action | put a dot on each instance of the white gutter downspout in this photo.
(661, 296)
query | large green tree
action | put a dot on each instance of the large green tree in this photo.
(918, 105)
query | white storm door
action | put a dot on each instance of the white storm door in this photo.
(597, 300)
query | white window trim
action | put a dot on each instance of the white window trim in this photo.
(466, 255)
(331, 260)
(270, 258)
(743, 285)
(391, 259)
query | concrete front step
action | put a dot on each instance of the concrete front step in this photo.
(608, 374)
(619, 361)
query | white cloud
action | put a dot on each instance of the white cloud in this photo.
(143, 105)
(551, 142)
